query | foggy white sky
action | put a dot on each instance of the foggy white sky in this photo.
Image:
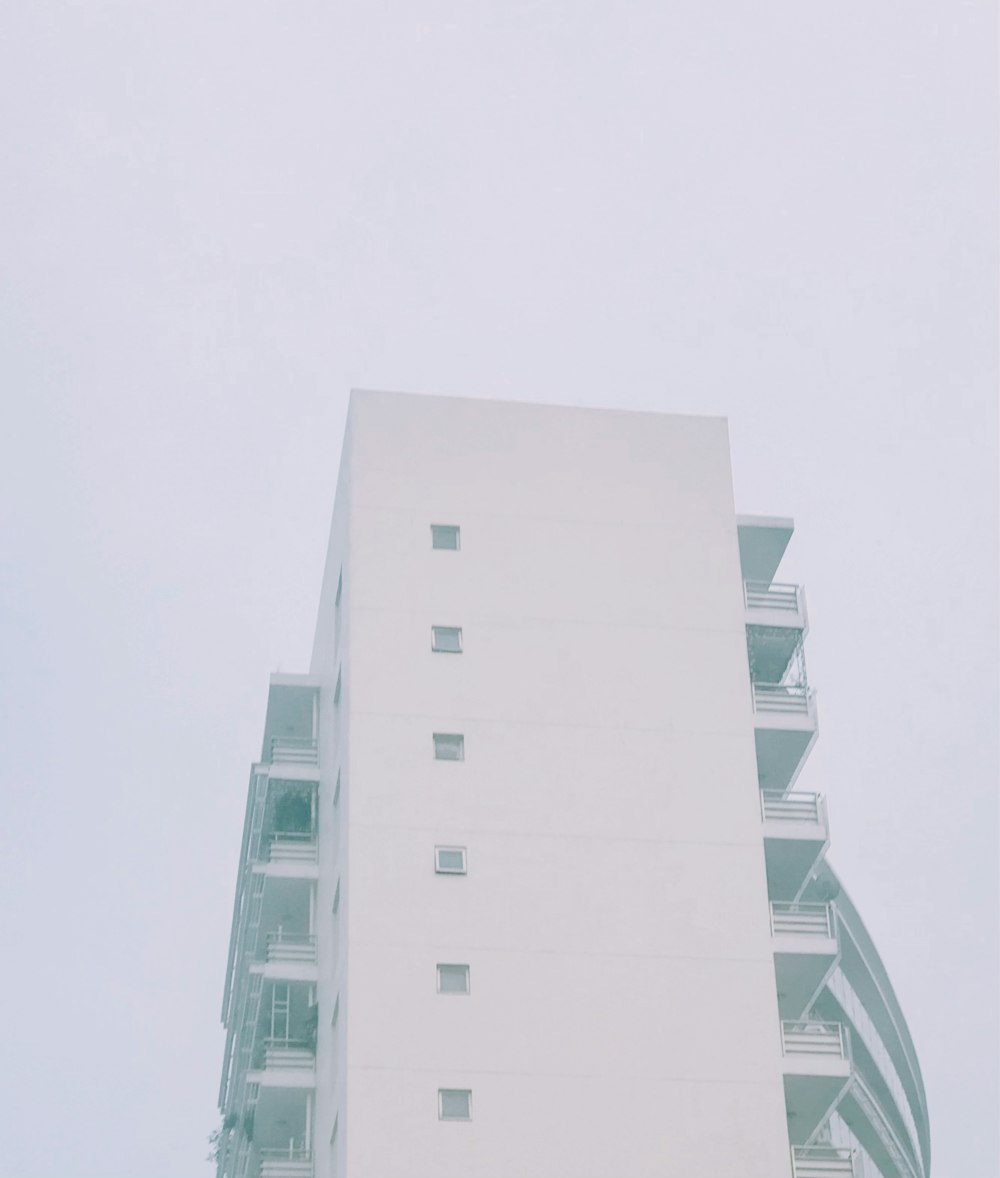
(218, 217)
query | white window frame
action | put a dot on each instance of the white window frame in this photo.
(439, 870)
(454, 965)
(441, 1095)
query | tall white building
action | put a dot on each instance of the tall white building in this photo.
(525, 888)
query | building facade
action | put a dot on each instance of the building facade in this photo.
(525, 886)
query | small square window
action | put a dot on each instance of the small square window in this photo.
(453, 979)
(446, 639)
(449, 746)
(450, 860)
(454, 1104)
(445, 536)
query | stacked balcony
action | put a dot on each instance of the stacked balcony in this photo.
(806, 951)
(796, 836)
(816, 1054)
(269, 1078)
(785, 723)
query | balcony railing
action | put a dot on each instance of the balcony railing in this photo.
(808, 919)
(793, 807)
(288, 1053)
(295, 750)
(762, 595)
(298, 947)
(781, 698)
(289, 847)
(806, 1037)
(286, 1163)
(820, 1161)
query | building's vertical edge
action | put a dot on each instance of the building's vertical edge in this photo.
(330, 662)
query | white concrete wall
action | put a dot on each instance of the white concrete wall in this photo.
(623, 1018)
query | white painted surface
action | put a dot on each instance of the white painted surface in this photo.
(623, 1017)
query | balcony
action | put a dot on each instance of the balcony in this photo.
(796, 835)
(286, 1163)
(769, 603)
(817, 1070)
(819, 1161)
(286, 957)
(804, 941)
(283, 1064)
(785, 729)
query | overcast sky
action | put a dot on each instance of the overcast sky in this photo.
(218, 217)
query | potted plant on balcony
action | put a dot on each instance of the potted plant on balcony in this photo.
(218, 1139)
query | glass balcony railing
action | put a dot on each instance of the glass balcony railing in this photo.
(770, 595)
(291, 847)
(802, 919)
(786, 698)
(793, 807)
(293, 947)
(811, 1037)
(295, 751)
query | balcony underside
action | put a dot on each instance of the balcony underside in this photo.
(813, 1086)
(772, 648)
(791, 860)
(801, 966)
(762, 540)
(783, 742)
